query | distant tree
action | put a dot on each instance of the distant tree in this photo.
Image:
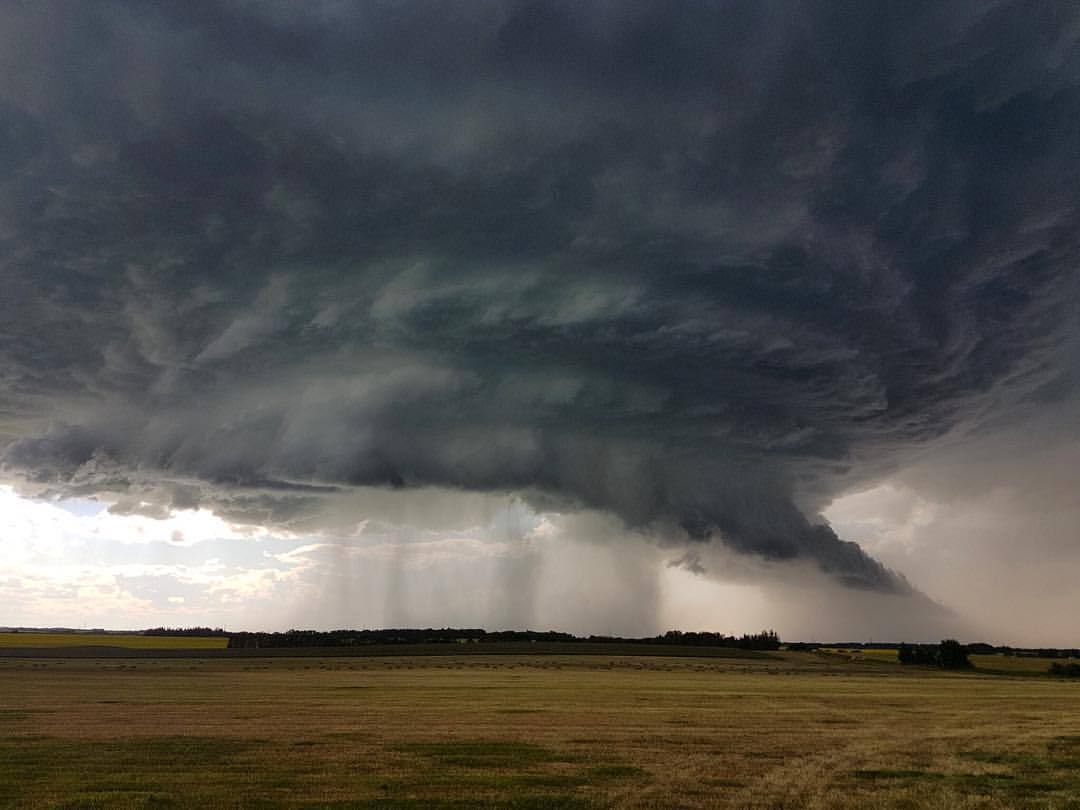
(185, 631)
(953, 655)
(949, 654)
(765, 640)
(925, 655)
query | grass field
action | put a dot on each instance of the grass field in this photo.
(793, 730)
(1017, 664)
(131, 641)
(996, 663)
(885, 655)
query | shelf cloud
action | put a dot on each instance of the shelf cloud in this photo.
(703, 267)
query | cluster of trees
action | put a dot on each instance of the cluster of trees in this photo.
(949, 654)
(185, 631)
(767, 640)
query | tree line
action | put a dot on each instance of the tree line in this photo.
(185, 631)
(766, 640)
(949, 654)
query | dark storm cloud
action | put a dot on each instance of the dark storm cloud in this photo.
(700, 265)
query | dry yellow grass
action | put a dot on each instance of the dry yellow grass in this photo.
(799, 730)
(131, 641)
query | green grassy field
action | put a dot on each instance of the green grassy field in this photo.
(793, 730)
(1017, 664)
(130, 641)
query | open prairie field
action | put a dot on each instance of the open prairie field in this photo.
(786, 731)
(996, 663)
(127, 640)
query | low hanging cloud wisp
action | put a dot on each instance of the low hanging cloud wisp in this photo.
(703, 267)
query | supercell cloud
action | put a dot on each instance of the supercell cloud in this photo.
(700, 266)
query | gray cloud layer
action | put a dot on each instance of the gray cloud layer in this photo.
(702, 266)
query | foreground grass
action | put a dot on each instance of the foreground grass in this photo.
(797, 730)
(131, 641)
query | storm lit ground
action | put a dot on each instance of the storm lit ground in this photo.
(786, 729)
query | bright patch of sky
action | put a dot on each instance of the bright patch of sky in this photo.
(82, 507)
(74, 563)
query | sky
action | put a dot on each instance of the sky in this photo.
(594, 316)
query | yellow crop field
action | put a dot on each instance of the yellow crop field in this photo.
(130, 641)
